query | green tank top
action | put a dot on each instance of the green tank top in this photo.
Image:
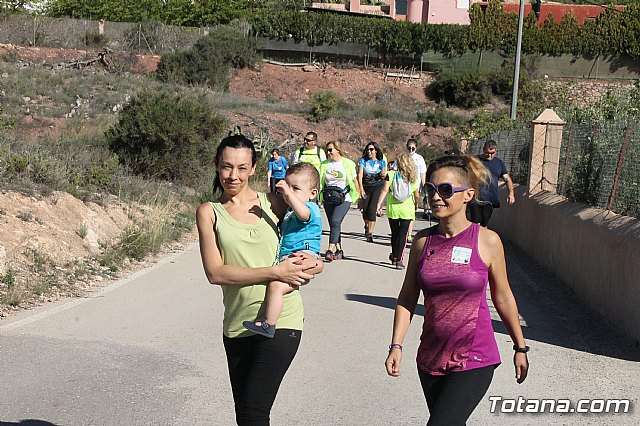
(251, 246)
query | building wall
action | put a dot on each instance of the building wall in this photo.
(446, 12)
(595, 252)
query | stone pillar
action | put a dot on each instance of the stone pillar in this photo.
(392, 8)
(101, 26)
(354, 5)
(544, 155)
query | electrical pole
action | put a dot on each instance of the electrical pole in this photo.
(516, 69)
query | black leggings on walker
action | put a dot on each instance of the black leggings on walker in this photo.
(257, 366)
(453, 397)
(399, 231)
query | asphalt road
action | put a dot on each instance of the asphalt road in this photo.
(148, 350)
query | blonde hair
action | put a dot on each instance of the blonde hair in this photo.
(336, 145)
(406, 167)
(469, 169)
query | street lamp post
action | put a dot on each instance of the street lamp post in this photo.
(516, 69)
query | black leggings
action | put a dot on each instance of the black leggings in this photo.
(257, 366)
(272, 184)
(370, 203)
(479, 212)
(452, 398)
(399, 230)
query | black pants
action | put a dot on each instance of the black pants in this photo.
(399, 230)
(335, 216)
(479, 212)
(370, 203)
(272, 184)
(257, 366)
(452, 398)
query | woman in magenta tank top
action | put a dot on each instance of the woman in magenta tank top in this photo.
(452, 263)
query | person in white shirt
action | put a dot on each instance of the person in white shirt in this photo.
(422, 171)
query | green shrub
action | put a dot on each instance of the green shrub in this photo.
(210, 60)
(6, 122)
(484, 123)
(326, 104)
(167, 135)
(441, 116)
(92, 38)
(464, 89)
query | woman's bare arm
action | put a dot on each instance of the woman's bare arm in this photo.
(405, 305)
(492, 253)
(290, 271)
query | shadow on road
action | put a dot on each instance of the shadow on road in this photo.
(28, 422)
(553, 312)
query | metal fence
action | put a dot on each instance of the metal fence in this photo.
(599, 162)
(600, 165)
(513, 149)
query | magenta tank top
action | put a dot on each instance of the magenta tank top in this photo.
(457, 334)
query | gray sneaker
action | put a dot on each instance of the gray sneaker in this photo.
(264, 329)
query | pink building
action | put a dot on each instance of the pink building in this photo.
(427, 11)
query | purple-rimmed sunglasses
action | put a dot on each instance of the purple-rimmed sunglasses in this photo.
(445, 189)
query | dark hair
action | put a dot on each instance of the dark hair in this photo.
(275, 151)
(308, 169)
(469, 168)
(490, 144)
(235, 142)
(412, 141)
(314, 135)
(379, 153)
(453, 151)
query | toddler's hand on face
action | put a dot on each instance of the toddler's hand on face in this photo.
(283, 189)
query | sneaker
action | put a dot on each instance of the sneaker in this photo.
(391, 257)
(399, 264)
(369, 238)
(339, 255)
(264, 329)
(329, 256)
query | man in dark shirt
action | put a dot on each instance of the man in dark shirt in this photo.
(480, 211)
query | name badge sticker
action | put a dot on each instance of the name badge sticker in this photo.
(461, 255)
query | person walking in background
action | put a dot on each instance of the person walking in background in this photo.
(421, 166)
(338, 189)
(310, 152)
(400, 191)
(372, 170)
(301, 232)
(480, 211)
(276, 169)
(239, 236)
(452, 263)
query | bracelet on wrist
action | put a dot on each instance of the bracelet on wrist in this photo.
(395, 346)
(521, 350)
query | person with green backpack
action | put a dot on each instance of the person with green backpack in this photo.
(401, 188)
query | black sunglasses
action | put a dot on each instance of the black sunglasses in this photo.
(309, 140)
(329, 150)
(445, 189)
(371, 149)
(411, 148)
